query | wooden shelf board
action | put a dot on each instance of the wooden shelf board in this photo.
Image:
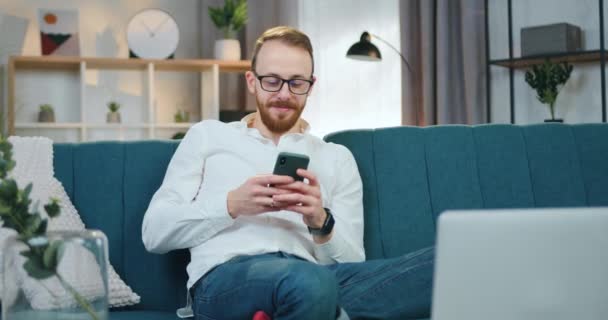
(48, 125)
(117, 125)
(73, 63)
(526, 62)
(174, 125)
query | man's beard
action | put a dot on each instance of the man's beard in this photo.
(283, 123)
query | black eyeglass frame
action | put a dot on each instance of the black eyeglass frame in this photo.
(283, 81)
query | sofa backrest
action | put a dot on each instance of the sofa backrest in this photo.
(410, 174)
(111, 184)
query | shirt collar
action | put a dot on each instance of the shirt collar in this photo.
(304, 125)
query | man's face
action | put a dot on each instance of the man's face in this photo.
(280, 110)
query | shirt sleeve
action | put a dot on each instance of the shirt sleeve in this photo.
(174, 220)
(346, 205)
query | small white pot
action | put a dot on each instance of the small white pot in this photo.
(113, 117)
(227, 49)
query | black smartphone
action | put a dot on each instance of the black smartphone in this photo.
(288, 164)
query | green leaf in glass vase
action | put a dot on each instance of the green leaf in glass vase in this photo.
(4, 208)
(3, 165)
(34, 266)
(8, 189)
(32, 224)
(52, 208)
(42, 227)
(52, 255)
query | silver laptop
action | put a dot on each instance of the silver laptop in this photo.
(537, 264)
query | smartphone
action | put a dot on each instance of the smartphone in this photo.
(288, 164)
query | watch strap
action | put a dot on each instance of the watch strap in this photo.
(328, 225)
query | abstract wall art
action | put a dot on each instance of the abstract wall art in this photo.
(59, 32)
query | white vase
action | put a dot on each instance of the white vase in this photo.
(227, 49)
(113, 117)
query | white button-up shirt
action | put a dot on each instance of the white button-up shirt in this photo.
(189, 209)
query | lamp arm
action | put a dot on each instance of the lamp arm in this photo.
(395, 49)
(406, 63)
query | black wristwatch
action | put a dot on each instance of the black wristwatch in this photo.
(328, 225)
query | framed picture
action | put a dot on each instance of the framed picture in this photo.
(59, 32)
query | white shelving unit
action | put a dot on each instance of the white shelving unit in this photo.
(87, 130)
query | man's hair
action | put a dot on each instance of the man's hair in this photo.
(286, 35)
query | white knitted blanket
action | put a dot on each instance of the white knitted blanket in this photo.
(34, 164)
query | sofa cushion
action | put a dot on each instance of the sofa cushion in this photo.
(554, 164)
(592, 143)
(399, 152)
(502, 163)
(112, 183)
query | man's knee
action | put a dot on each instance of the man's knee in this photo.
(310, 284)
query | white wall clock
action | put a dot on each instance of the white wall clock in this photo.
(152, 34)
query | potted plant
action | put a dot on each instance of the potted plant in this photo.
(548, 79)
(46, 113)
(113, 115)
(230, 19)
(181, 116)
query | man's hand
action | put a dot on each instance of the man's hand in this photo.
(304, 198)
(255, 196)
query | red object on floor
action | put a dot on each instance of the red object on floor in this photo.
(261, 315)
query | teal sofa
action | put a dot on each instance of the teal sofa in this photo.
(410, 175)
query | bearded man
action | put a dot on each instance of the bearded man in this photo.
(263, 242)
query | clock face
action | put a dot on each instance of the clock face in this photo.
(152, 34)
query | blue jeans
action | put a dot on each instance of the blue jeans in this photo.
(287, 287)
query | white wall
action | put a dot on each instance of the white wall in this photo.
(103, 34)
(580, 99)
(349, 93)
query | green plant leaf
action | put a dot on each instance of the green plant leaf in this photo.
(50, 258)
(231, 17)
(27, 191)
(8, 189)
(32, 223)
(27, 253)
(4, 208)
(36, 270)
(217, 16)
(52, 208)
(547, 79)
(239, 18)
(42, 227)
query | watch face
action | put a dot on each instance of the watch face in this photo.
(152, 34)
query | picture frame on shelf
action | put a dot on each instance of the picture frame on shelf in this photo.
(59, 32)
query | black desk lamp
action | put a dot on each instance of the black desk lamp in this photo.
(367, 51)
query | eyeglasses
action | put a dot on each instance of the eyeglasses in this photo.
(275, 84)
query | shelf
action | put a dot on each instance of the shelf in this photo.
(48, 125)
(526, 62)
(208, 70)
(174, 125)
(73, 63)
(117, 125)
(77, 125)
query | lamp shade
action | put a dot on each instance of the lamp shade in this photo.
(364, 50)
